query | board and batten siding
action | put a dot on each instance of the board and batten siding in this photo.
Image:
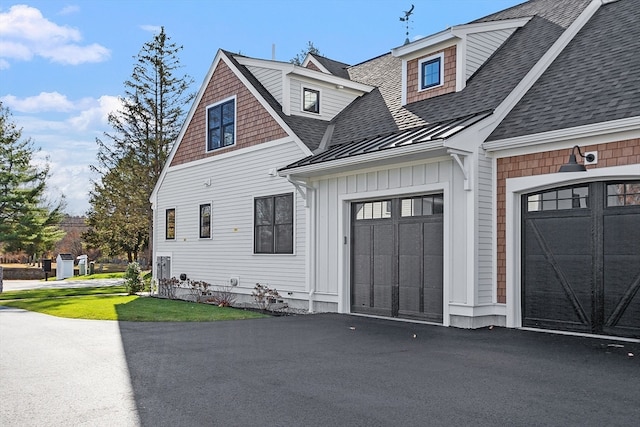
(484, 229)
(269, 78)
(480, 46)
(234, 183)
(394, 181)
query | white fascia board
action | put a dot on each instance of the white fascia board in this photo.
(315, 62)
(330, 78)
(631, 124)
(481, 27)
(540, 67)
(185, 124)
(423, 43)
(264, 63)
(457, 32)
(361, 160)
(288, 68)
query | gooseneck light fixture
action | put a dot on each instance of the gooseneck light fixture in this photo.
(572, 165)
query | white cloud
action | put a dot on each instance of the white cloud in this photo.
(25, 33)
(97, 114)
(45, 101)
(68, 10)
(155, 29)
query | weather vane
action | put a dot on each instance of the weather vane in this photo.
(405, 18)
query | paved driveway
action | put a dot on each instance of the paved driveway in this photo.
(314, 370)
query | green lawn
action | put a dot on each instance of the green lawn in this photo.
(61, 292)
(116, 275)
(69, 303)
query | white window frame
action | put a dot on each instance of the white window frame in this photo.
(210, 204)
(175, 223)
(235, 123)
(428, 59)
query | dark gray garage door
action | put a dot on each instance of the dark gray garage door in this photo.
(581, 259)
(397, 257)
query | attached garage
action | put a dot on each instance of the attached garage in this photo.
(581, 258)
(397, 257)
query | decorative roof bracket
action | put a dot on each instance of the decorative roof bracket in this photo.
(303, 189)
(464, 164)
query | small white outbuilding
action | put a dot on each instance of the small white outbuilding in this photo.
(64, 266)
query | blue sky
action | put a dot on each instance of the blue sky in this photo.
(63, 63)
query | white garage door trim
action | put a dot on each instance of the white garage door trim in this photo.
(515, 188)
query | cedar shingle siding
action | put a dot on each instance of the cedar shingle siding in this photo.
(254, 124)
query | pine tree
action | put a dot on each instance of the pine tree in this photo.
(27, 222)
(131, 158)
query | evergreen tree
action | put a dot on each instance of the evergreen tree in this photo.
(27, 222)
(131, 158)
(310, 49)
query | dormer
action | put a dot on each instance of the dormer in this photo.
(306, 91)
(442, 63)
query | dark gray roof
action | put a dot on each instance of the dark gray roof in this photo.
(381, 111)
(595, 79)
(336, 68)
(430, 132)
(309, 130)
(66, 257)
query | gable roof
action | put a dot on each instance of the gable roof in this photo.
(334, 67)
(381, 111)
(595, 79)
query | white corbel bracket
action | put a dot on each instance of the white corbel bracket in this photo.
(303, 188)
(464, 164)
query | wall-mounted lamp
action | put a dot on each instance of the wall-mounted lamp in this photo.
(572, 165)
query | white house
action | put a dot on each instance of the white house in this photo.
(419, 184)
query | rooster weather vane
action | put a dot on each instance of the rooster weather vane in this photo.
(405, 18)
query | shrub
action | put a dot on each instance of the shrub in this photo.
(132, 280)
(222, 296)
(264, 296)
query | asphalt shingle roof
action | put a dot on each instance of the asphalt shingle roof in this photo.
(336, 68)
(595, 79)
(381, 111)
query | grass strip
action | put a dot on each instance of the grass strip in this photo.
(131, 308)
(115, 275)
(61, 292)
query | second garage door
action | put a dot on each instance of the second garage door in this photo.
(397, 257)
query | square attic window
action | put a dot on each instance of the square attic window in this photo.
(311, 100)
(431, 70)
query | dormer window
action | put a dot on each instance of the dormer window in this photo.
(311, 100)
(431, 71)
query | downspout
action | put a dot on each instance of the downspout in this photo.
(308, 193)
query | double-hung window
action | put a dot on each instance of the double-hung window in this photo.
(431, 70)
(221, 125)
(205, 221)
(273, 222)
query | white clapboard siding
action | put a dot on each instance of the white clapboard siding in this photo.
(480, 46)
(484, 227)
(332, 99)
(269, 78)
(235, 181)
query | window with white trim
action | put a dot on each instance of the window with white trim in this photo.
(431, 72)
(205, 221)
(170, 224)
(221, 125)
(273, 224)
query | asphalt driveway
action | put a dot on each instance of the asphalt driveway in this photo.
(313, 370)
